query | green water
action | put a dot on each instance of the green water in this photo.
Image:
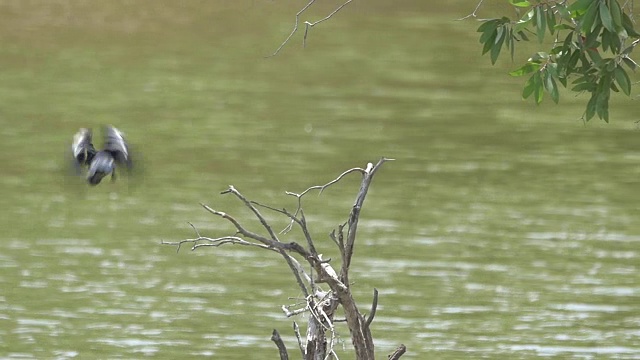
(502, 230)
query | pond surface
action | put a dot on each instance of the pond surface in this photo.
(502, 230)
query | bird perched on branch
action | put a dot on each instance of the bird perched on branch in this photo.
(103, 162)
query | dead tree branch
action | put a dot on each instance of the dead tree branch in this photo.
(374, 307)
(307, 24)
(398, 353)
(319, 304)
(282, 349)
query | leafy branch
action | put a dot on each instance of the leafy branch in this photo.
(592, 43)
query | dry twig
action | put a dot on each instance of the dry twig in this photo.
(474, 13)
(307, 24)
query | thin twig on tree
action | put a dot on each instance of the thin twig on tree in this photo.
(317, 187)
(263, 221)
(307, 24)
(198, 242)
(295, 29)
(300, 221)
(474, 13)
(374, 307)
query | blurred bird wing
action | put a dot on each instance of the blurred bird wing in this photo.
(82, 147)
(115, 143)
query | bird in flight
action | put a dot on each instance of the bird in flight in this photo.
(100, 163)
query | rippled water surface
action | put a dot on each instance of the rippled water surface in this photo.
(502, 230)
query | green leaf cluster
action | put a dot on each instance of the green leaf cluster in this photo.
(592, 43)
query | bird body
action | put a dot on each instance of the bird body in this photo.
(103, 162)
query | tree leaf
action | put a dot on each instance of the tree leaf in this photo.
(595, 56)
(630, 63)
(563, 27)
(605, 17)
(585, 86)
(488, 30)
(563, 81)
(616, 14)
(614, 87)
(541, 23)
(567, 41)
(627, 23)
(497, 45)
(524, 21)
(527, 68)
(606, 39)
(564, 12)
(511, 43)
(610, 40)
(538, 87)
(520, 3)
(591, 107)
(573, 61)
(622, 78)
(489, 43)
(529, 86)
(589, 17)
(602, 107)
(488, 23)
(580, 7)
(552, 68)
(551, 20)
(602, 100)
(550, 86)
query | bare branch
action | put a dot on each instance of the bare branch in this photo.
(296, 330)
(207, 241)
(281, 247)
(339, 239)
(308, 24)
(322, 187)
(398, 353)
(301, 222)
(474, 13)
(295, 28)
(282, 349)
(248, 203)
(297, 270)
(316, 187)
(194, 229)
(289, 313)
(216, 242)
(240, 228)
(374, 307)
(355, 215)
